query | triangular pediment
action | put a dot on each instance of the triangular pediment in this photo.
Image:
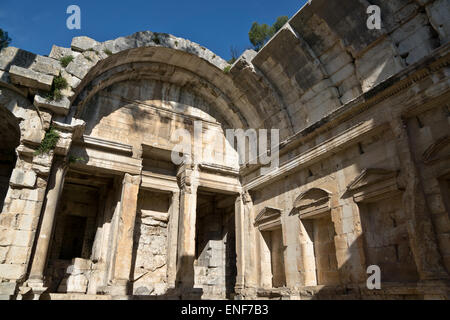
(268, 213)
(440, 150)
(369, 177)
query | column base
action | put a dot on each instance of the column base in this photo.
(37, 288)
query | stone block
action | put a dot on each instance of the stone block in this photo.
(3, 253)
(344, 73)
(60, 52)
(20, 178)
(71, 80)
(59, 107)
(347, 225)
(155, 215)
(350, 95)
(377, 65)
(83, 43)
(14, 56)
(17, 206)
(409, 28)
(4, 77)
(33, 131)
(46, 65)
(30, 78)
(32, 195)
(6, 236)
(12, 271)
(91, 56)
(439, 15)
(22, 238)
(338, 63)
(28, 222)
(419, 38)
(419, 52)
(79, 67)
(18, 255)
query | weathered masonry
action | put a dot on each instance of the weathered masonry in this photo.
(364, 175)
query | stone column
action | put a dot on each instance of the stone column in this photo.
(240, 245)
(250, 241)
(124, 249)
(348, 243)
(421, 232)
(55, 187)
(173, 240)
(188, 177)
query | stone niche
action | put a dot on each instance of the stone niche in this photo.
(272, 248)
(73, 238)
(74, 254)
(215, 252)
(384, 224)
(150, 243)
(314, 210)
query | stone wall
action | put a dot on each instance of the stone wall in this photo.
(151, 244)
(364, 126)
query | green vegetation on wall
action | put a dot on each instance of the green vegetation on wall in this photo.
(49, 142)
(59, 84)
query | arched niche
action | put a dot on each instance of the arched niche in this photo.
(144, 103)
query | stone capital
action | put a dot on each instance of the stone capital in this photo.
(246, 198)
(130, 179)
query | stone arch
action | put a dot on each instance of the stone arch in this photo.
(219, 103)
(161, 61)
(223, 104)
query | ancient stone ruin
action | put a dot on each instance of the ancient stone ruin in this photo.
(93, 207)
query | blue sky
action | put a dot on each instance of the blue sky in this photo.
(37, 25)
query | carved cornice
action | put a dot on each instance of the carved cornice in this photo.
(215, 168)
(373, 185)
(159, 182)
(317, 153)
(436, 61)
(114, 147)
